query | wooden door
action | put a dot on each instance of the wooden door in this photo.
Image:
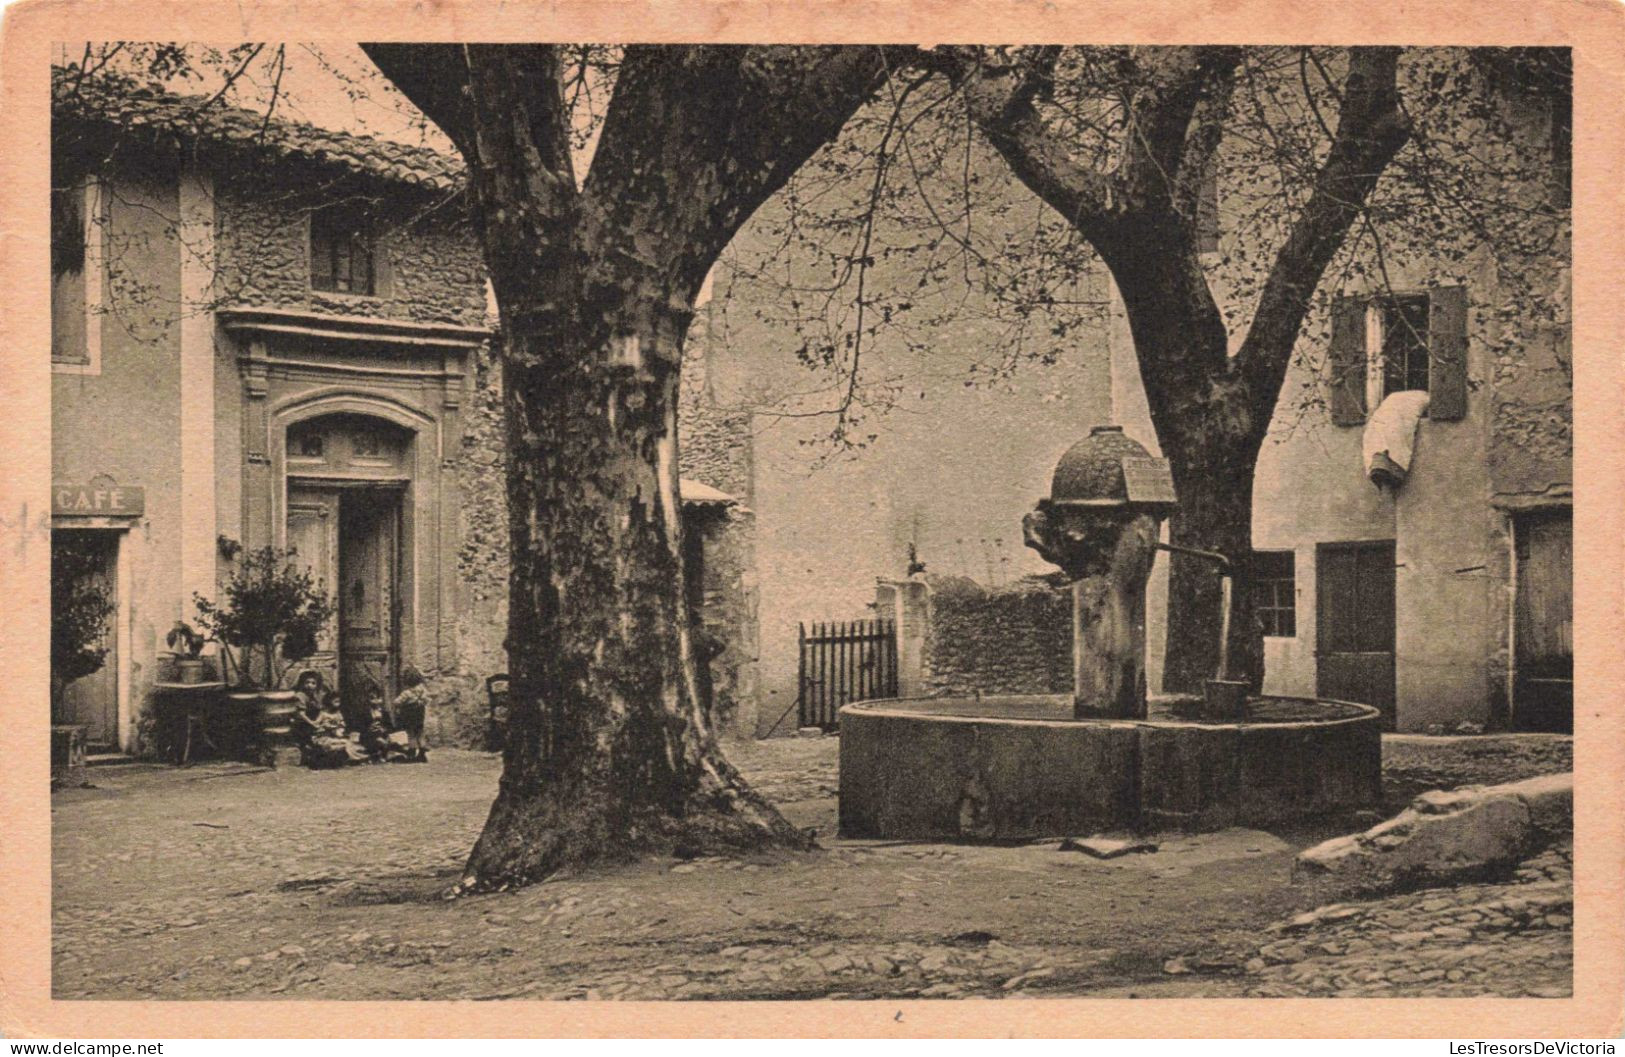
(1543, 622)
(1354, 649)
(91, 701)
(369, 535)
(313, 537)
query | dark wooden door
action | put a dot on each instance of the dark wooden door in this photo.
(1543, 623)
(368, 595)
(1354, 651)
(313, 538)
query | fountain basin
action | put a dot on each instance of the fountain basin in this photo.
(1009, 768)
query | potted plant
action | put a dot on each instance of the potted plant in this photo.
(187, 645)
(270, 619)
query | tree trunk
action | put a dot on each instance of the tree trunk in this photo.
(1210, 408)
(1215, 514)
(1206, 425)
(609, 751)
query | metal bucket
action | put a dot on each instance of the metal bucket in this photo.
(1224, 699)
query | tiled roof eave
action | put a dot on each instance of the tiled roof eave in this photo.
(191, 120)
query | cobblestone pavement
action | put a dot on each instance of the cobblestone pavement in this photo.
(227, 881)
(1512, 939)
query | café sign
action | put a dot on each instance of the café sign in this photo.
(97, 498)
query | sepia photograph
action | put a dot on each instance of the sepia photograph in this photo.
(750, 521)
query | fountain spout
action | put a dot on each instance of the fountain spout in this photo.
(1226, 578)
(1224, 697)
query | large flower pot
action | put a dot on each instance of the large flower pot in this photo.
(274, 739)
(189, 670)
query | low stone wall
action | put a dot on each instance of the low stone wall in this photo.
(1011, 639)
(1008, 768)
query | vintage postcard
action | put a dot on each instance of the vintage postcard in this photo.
(649, 515)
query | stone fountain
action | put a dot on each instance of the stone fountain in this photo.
(1104, 757)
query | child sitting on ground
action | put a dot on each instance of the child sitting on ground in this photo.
(411, 706)
(330, 744)
(381, 740)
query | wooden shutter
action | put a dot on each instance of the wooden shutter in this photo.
(1447, 348)
(1346, 359)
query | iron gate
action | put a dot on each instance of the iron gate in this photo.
(841, 662)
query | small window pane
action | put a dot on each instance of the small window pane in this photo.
(341, 251)
(1275, 592)
(306, 444)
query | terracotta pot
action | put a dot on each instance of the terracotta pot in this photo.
(189, 670)
(276, 708)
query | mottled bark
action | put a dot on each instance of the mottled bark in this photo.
(609, 750)
(1210, 409)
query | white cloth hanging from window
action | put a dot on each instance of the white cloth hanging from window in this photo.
(1390, 437)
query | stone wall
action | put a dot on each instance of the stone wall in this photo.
(481, 612)
(724, 597)
(1010, 639)
(428, 264)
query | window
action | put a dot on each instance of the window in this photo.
(1402, 341)
(306, 441)
(77, 228)
(1275, 592)
(1388, 344)
(341, 251)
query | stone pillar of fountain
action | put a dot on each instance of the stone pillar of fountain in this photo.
(1100, 525)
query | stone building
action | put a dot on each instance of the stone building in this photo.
(272, 334)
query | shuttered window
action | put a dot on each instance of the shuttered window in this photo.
(1399, 342)
(1404, 328)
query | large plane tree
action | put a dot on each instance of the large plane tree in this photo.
(609, 751)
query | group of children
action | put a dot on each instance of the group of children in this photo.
(388, 733)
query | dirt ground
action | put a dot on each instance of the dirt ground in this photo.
(224, 881)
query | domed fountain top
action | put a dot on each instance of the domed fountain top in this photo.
(1091, 471)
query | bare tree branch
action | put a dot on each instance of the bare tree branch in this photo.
(435, 78)
(1208, 121)
(1370, 131)
(1000, 93)
(729, 125)
(1177, 79)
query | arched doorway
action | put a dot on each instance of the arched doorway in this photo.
(349, 479)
